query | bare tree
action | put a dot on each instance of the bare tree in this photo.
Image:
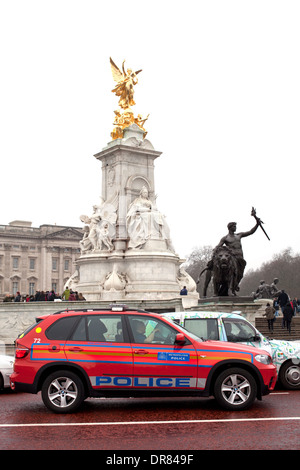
(285, 266)
(196, 262)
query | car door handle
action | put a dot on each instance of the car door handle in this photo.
(75, 348)
(140, 351)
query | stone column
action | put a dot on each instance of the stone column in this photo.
(127, 165)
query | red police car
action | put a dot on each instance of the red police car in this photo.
(72, 355)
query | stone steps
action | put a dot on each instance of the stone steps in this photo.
(261, 324)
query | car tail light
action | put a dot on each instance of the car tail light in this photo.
(21, 352)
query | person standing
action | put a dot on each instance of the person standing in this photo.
(276, 307)
(288, 313)
(269, 314)
(283, 299)
(294, 305)
(66, 293)
(17, 297)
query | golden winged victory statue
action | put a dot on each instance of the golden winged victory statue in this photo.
(124, 117)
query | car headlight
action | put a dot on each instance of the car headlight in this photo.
(263, 358)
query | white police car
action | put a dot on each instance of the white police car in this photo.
(235, 328)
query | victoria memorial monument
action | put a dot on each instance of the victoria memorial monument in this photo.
(127, 251)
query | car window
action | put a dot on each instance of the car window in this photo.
(61, 329)
(99, 328)
(151, 330)
(80, 333)
(205, 328)
(34, 325)
(238, 330)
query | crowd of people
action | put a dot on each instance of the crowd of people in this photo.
(288, 307)
(45, 296)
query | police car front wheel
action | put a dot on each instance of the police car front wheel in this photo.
(63, 391)
(235, 389)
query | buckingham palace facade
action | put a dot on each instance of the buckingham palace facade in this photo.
(33, 259)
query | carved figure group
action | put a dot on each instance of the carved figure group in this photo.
(144, 222)
(100, 227)
(266, 291)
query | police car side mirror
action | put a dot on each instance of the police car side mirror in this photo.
(180, 338)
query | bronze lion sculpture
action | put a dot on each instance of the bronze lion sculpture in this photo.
(223, 269)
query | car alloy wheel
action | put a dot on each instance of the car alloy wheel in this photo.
(235, 389)
(290, 375)
(63, 392)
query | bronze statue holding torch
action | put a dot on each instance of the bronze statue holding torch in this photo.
(228, 266)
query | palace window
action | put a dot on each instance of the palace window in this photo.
(15, 287)
(31, 288)
(31, 263)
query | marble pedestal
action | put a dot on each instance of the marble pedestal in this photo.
(133, 275)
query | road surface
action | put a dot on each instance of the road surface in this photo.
(154, 424)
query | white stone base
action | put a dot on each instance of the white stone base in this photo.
(133, 275)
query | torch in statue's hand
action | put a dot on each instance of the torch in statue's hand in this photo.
(259, 221)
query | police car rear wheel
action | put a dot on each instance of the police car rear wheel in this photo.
(63, 392)
(235, 389)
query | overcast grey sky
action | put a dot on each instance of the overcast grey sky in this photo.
(220, 80)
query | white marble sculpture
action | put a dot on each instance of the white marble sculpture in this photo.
(100, 227)
(145, 222)
(115, 281)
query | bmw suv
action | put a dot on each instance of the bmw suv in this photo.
(72, 355)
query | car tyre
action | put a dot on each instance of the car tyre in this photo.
(235, 389)
(63, 391)
(289, 375)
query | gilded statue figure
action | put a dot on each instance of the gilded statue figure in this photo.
(125, 83)
(124, 117)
